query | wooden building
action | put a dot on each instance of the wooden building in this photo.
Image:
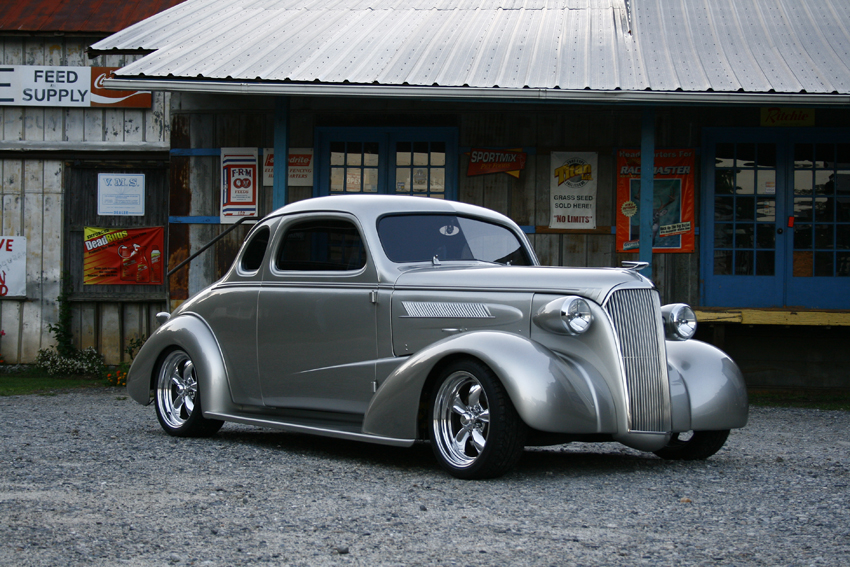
(752, 228)
(56, 138)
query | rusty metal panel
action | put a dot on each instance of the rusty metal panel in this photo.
(104, 16)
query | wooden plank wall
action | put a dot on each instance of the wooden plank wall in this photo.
(32, 190)
(205, 122)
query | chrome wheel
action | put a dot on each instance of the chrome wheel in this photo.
(177, 389)
(461, 419)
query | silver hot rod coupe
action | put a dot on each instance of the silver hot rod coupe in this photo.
(396, 319)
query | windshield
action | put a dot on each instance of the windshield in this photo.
(421, 238)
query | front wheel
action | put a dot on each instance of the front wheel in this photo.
(475, 431)
(693, 445)
(178, 400)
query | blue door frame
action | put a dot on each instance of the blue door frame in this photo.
(766, 239)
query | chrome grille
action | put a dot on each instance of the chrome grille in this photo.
(636, 314)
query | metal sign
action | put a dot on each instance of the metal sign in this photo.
(121, 194)
(41, 85)
(238, 184)
(13, 267)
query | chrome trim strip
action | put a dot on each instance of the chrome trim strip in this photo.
(314, 430)
(445, 309)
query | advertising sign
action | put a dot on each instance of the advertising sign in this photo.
(121, 194)
(238, 183)
(13, 267)
(484, 162)
(122, 256)
(300, 167)
(572, 190)
(41, 85)
(673, 201)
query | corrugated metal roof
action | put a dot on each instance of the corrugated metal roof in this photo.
(690, 46)
(95, 16)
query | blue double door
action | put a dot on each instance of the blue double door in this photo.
(776, 218)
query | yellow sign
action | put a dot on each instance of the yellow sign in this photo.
(776, 116)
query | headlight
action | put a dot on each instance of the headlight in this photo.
(680, 322)
(576, 314)
(566, 316)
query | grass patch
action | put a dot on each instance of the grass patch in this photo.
(809, 399)
(31, 381)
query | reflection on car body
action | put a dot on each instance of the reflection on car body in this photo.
(395, 319)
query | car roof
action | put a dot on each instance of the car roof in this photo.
(372, 207)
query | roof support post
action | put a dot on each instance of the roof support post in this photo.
(647, 189)
(281, 152)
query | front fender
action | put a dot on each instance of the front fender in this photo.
(550, 393)
(190, 333)
(714, 385)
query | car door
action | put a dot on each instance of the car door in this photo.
(316, 337)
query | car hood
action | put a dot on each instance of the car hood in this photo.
(592, 283)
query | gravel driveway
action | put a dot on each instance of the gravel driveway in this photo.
(89, 478)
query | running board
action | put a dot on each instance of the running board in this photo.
(311, 429)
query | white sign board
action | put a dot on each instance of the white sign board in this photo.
(573, 178)
(300, 167)
(238, 184)
(121, 194)
(13, 267)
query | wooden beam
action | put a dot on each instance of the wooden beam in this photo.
(774, 317)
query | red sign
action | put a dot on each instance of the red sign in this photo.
(483, 162)
(121, 256)
(673, 201)
(116, 99)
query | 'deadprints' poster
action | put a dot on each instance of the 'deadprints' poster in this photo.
(673, 201)
(121, 256)
(572, 190)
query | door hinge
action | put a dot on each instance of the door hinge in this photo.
(374, 296)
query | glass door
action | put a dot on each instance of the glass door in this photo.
(775, 219)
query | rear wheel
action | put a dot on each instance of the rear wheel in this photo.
(474, 429)
(693, 445)
(178, 401)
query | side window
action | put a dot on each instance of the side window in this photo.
(255, 250)
(321, 245)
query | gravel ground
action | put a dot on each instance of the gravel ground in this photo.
(89, 478)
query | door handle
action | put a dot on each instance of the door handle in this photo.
(778, 231)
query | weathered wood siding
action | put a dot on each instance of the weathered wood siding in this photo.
(35, 143)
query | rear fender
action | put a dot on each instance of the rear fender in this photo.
(713, 384)
(550, 393)
(191, 334)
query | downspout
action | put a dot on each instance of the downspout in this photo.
(281, 152)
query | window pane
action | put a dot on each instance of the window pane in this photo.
(337, 179)
(766, 211)
(842, 240)
(803, 182)
(745, 209)
(824, 266)
(321, 245)
(420, 153)
(825, 209)
(767, 155)
(767, 182)
(744, 236)
(438, 154)
(402, 155)
(402, 180)
(803, 156)
(746, 155)
(824, 184)
(803, 209)
(825, 155)
(744, 263)
(723, 207)
(354, 155)
(745, 182)
(824, 236)
(438, 180)
(765, 263)
(420, 179)
(353, 180)
(803, 237)
(724, 155)
(370, 154)
(842, 264)
(337, 153)
(765, 236)
(370, 180)
(724, 182)
(252, 258)
(803, 264)
(723, 262)
(723, 235)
